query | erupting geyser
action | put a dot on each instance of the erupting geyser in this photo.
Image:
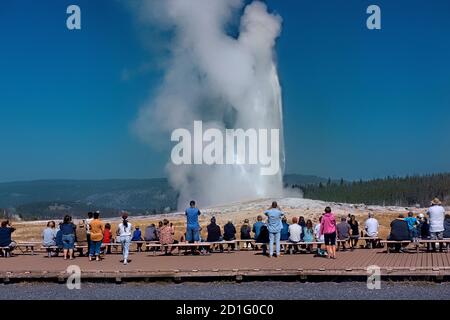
(221, 71)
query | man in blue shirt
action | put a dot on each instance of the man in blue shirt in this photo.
(5, 236)
(192, 225)
(257, 226)
(274, 216)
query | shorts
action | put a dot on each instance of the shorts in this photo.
(192, 234)
(330, 239)
(68, 241)
(437, 235)
(11, 246)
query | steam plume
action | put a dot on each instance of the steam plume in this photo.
(222, 72)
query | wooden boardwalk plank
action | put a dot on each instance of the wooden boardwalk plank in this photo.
(347, 263)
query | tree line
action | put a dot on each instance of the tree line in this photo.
(394, 191)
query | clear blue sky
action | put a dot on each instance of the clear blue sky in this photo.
(357, 103)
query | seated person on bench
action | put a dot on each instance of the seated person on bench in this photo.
(80, 238)
(137, 236)
(49, 237)
(214, 233)
(150, 234)
(5, 236)
(107, 237)
(229, 232)
(284, 234)
(308, 234)
(371, 226)
(343, 231)
(257, 228)
(166, 234)
(399, 232)
(245, 232)
(263, 237)
(295, 233)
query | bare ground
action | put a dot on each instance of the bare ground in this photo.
(238, 212)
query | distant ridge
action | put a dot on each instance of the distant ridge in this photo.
(51, 198)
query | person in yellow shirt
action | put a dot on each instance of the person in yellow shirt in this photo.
(96, 228)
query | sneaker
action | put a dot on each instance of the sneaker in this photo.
(125, 262)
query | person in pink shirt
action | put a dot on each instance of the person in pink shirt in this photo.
(328, 229)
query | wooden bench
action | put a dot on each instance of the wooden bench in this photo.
(110, 245)
(80, 248)
(426, 242)
(369, 240)
(186, 245)
(284, 245)
(139, 244)
(153, 245)
(50, 249)
(416, 244)
(342, 242)
(180, 246)
(220, 244)
(313, 244)
(29, 246)
(387, 243)
(288, 246)
(244, 241)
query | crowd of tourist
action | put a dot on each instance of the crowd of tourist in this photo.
(434, 226)
(266, 232)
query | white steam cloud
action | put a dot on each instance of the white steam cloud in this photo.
(222, 71)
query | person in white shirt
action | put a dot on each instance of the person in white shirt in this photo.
(295, 233)
(87, 223)
(437, 214)
(319, 237)
(371, 227)
(124, 233)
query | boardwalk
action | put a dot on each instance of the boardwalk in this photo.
(235, 265)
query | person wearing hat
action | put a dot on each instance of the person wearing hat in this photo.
(423, 229)
(81, 238)
(436, 214)
(137, 236)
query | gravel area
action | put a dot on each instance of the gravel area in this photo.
(228, 290)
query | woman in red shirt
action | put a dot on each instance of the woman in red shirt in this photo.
(107, 237)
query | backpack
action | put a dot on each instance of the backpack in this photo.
(321, 253)
(245, 231)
